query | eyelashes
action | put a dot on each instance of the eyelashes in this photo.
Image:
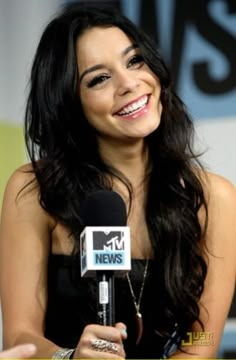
(136, 61)
(97, 80)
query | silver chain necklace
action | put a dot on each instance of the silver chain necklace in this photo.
(137, 303)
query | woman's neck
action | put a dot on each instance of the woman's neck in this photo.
(130, 159)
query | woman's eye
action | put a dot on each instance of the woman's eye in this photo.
(136, 60)
(97, 80)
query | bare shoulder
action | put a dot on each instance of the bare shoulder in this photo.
(22, 196)
(218, 188)
(221, 201)
(21, 188)
(20, 178)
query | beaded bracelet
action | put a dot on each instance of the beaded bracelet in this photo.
(63, 353)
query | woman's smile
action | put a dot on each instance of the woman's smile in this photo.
(134, 109)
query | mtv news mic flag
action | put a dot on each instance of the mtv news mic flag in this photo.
(105, 247)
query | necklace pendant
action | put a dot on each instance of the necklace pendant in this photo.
(137, 303)
(139, 327)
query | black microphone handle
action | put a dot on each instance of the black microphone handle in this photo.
(105, 298)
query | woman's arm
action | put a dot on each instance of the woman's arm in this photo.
(24, 246)
(220, 281)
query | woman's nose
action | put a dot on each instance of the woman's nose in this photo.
(126, 81)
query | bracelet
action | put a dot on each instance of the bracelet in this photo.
(63, 353)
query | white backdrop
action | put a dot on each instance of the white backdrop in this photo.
(218, 137)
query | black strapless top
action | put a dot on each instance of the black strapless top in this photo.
(72, 306)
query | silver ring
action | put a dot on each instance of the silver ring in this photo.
(104, 345)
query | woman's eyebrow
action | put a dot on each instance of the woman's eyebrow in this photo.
(91, 69)
(128, 49)
(102, 66)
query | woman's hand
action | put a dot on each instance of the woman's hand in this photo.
(19, 352)
(98, 341)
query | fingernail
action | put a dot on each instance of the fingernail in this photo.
(123, 332)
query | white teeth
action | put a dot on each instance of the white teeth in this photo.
(134, 106)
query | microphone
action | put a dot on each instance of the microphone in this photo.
(104, 247)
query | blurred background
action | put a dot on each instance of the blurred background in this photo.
(197, 39)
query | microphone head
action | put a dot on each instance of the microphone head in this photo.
(105, 240)
(103, 208)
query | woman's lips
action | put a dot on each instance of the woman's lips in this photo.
(135, 109)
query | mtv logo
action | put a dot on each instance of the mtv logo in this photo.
(105, 248)
(112, 240)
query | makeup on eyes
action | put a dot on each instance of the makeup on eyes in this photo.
(100, 66)
(135, 60)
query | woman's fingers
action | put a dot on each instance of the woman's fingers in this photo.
(99, 341)
(122, 328)
(109, 333)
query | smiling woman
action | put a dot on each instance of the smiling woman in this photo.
(101, 115)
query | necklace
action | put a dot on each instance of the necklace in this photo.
(137, 303)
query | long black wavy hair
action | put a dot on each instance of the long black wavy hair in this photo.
(63, 149)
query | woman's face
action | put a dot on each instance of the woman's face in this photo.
(119, 93)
